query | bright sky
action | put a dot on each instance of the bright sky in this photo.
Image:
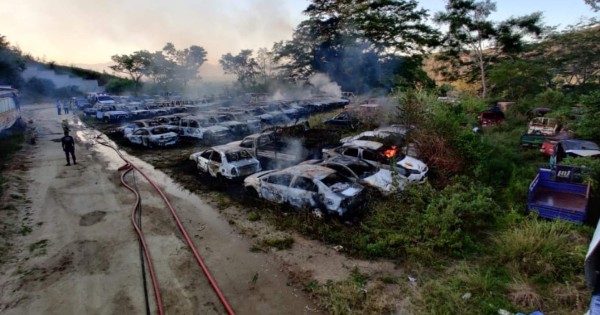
(90, 31)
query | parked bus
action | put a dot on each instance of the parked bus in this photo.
(10, 113)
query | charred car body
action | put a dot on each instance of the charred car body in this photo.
(363, 173)
(159, 136)
(226, 161)
(307, 186)
(199, 128)
(380, 155)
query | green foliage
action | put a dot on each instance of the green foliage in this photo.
(426, 222)
(545, 251)
(446, 294)
(242, 65)
(588, 127)
(351, 41)
(355, 295)
(469, 27)
(279, 243)
(119, 86)
(514, 79)
(592, 173)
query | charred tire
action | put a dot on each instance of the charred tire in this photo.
(251, 193)
(106, 120)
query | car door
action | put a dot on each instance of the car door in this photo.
(303, 193)
(275, 187)
(371, 157)
(135, 137)
(203, 160)
(214, 164)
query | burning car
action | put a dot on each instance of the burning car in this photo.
(307, 186)
(159, 136)
(381, 155)
(226, 161)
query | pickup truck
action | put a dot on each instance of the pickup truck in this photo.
(274, 151)
(539, 130)
(559, 194)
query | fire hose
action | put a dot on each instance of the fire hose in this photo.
(129, 167)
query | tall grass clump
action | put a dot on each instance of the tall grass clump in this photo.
(544, 251)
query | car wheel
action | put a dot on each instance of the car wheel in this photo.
(251, 193)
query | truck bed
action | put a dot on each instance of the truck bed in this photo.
(558, 199)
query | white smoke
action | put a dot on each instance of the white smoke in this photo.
(324, 85)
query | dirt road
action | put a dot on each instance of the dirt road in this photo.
(77, 252)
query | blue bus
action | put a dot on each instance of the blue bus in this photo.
(10, 112)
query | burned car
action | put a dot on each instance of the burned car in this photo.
(137, 124)
(392, 132)
(199, 128)
(381, 155)
(226, 161)
(159, 136)
(307, 186)
(363, 173)
(343, 120)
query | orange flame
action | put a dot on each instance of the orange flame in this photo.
(391, 152)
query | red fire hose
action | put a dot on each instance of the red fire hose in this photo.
(129, 166)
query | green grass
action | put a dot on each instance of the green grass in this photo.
(279, 243)
(355, 295)
(38, 248)
(10, 144)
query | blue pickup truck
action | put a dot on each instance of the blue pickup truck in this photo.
(559, 194)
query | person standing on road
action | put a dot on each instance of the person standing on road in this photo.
(66, 107)
(58, 106)
(68, 145)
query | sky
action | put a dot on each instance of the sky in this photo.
(91, 31)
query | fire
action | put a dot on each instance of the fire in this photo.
(391, 152)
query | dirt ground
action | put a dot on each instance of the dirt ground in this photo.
(74, 250)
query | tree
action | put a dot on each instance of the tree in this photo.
(514, 79)
(395, 25)
(349, 39)
(161, 70)
(243, 65)
(594, 4)
(472, 35)
(134, 65)
(574, 54)
(187, 61)
(12, 64)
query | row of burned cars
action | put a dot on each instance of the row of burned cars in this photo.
(334, 180)
(210, 123)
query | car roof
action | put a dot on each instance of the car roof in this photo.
(373, 145)
(307, 170)
(227, 148)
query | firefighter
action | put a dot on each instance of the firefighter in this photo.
(68, 145)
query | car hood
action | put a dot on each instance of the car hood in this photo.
(381, 180)
(117, 112)
(245, 162)
(412, 164)
(194, 156)
(217, 129)
(253, 180)
(346, 189)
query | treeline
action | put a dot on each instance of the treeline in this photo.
(13, 62)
